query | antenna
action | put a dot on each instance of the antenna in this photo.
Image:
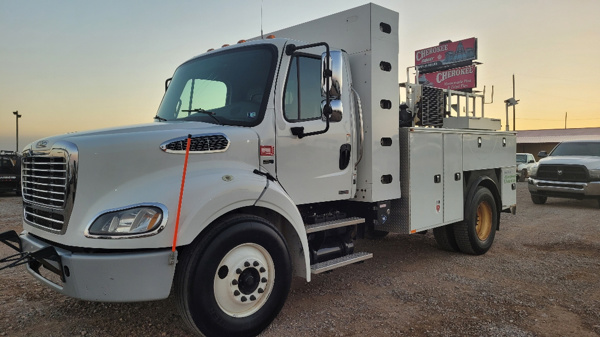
(261, 20)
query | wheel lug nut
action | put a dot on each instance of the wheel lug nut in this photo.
(236, 293)
(244, 299)
(234, 282)
(238, 271)
(246, 264)
(262, 269)
(252, 298)
(256, 263)
(263, 280)
(260, 290)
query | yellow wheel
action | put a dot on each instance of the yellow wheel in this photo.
(475, 234)
(484, 220)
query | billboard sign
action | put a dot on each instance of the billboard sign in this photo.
(446, 54)
(454, 79)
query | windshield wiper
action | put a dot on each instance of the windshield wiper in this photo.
(160, 119)
(210, 113)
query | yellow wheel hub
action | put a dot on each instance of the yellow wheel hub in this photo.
(484, 220)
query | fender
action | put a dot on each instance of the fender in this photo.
(244, 189)
(276, 199)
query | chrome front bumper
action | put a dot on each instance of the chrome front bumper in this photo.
(550, 188)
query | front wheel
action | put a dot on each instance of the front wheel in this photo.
(538, 199)
(235, 280)
(476, 233)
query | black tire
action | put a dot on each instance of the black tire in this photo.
(523, 176)
(235, 279)
(444, 236)
(538, 199)
(476, 233)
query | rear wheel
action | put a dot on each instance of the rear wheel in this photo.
(523, 176)
(538, 199)
(444, 236)
(374, 234)
(235, 280)
(476, 233)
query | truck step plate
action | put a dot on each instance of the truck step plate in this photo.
(322, 267)
(333, 224)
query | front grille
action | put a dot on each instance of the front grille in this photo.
(199, 144)
(45, 180)
(47, 219)
(49, 180)
(577, 173)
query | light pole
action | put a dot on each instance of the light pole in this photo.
(510, 102)
(17, 116)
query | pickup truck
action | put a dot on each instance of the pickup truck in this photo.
(525, 162)
(10, 172)
(571, 170)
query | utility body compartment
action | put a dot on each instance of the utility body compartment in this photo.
(433, 166)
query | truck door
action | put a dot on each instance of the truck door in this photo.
(314, 168)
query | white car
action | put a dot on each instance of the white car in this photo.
(525, 162)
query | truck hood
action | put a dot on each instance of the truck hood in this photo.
(48, 142)
(591, 162)
(120, 167)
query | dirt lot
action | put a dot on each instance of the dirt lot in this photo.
(541, 278)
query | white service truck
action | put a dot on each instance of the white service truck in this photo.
(266, 160)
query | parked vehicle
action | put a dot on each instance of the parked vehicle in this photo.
(268, 159)
(10, 172)
(571, 170)
(525, 162)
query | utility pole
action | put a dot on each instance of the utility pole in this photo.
(514, 107)
(566, 120)
(17, 116)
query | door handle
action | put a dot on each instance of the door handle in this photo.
(345, 156)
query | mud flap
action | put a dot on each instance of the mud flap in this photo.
(46, 257)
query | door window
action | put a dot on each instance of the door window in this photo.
(302, 97)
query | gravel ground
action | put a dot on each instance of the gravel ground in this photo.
(541, 278)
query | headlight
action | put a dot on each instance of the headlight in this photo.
(594, 174)
(128, 222)
(533, 170)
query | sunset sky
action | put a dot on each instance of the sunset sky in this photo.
(78, 65)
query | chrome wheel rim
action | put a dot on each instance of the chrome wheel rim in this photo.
(244, 280)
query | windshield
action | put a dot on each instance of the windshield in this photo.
(521, 158)
(229, 88)
(577, 149)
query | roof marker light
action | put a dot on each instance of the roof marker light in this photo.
(225, 45)
(270, 36)
(241, 41)
(211, 49)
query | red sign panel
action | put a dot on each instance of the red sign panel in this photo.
(267, 150)
(454, 79)
(446, 54)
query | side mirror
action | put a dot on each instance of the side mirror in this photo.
(167, 82)
(335, 111)
(542, 154)
(334, 76)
